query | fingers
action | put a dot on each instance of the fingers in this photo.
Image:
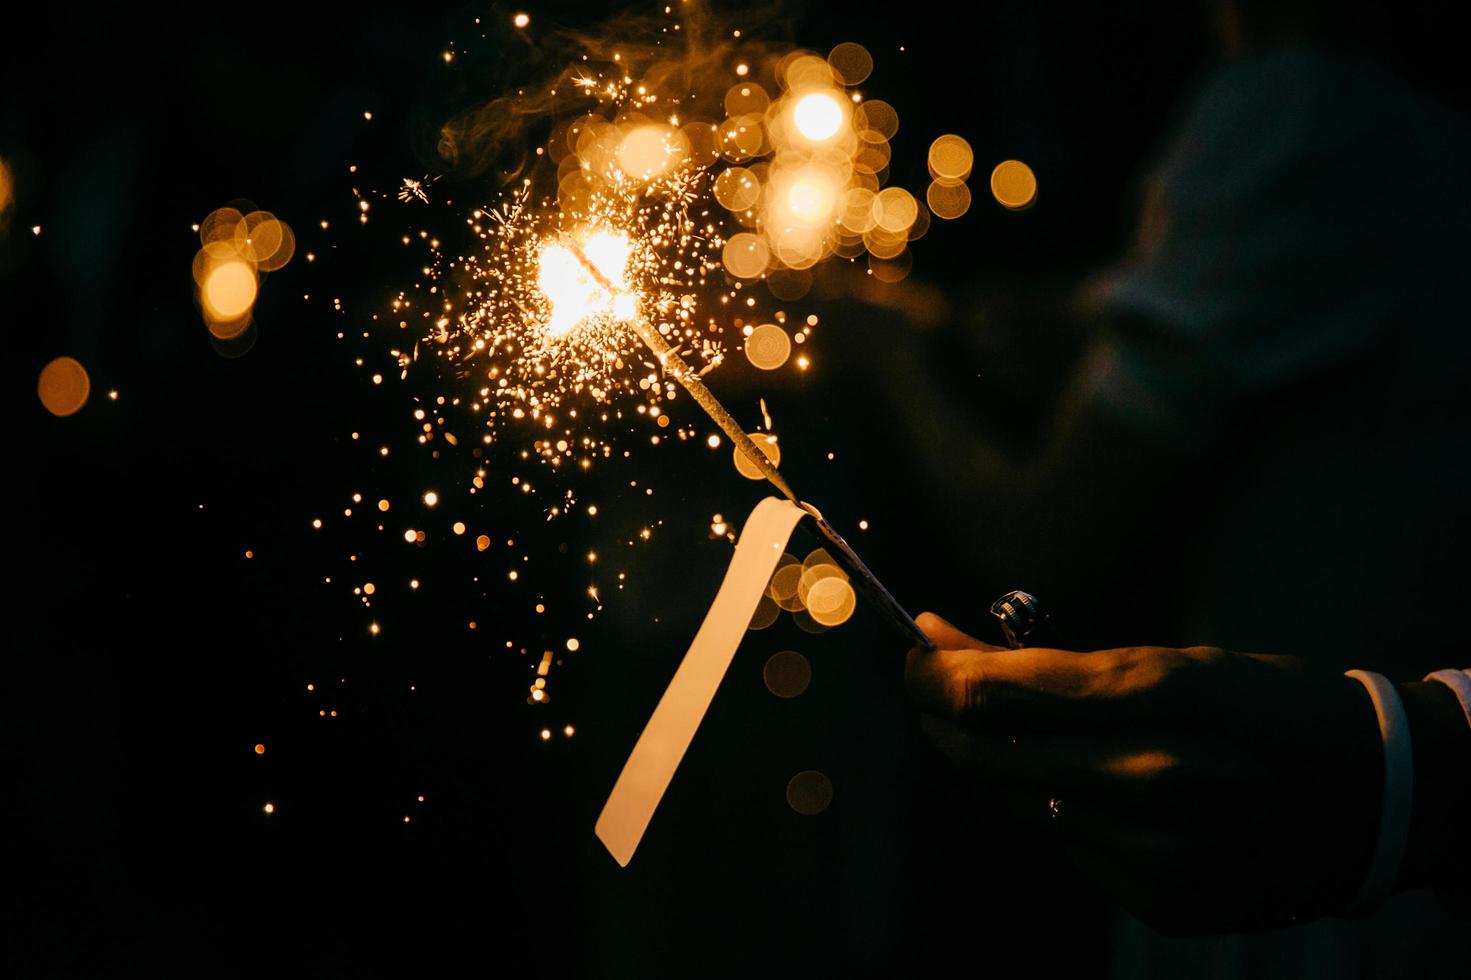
(1029, 690)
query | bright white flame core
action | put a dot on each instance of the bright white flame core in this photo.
(818, 116)
(574, 294)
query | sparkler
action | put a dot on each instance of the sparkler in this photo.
(685, 201)
(675, 365)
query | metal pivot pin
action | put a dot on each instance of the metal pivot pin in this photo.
(1022, 617)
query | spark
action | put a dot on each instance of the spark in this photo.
(412, 189)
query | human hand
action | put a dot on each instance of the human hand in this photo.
(1207, 790)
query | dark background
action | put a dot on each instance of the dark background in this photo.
(149, 655)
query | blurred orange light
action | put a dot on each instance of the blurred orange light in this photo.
(818, 116)
(229, 290)
(1013, 185)
(64, 386)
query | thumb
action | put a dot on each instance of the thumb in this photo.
(947, 637)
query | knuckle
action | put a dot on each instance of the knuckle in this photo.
(966, 691)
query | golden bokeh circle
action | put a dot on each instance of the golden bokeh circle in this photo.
(746, 97)
(284, 251)
(1013, 185)
(850, 62)
(258, 236)
(742, 137)
(814, 574)
(229, 290)
(737, 189)
(783, 587)
(950, 159)
(652, 150)
(948, 201)
(219, 225)
(807, 71)
(64, 386)
(745, 255)
(831, 601)
(879, 120)
(766, 442)
(768, 347)
(894, 209)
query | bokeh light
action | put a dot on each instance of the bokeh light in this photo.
(818, 116)
(768, 347)
(784, 583)
(787, 674)
(235, 249)
(831, 600)
(809, 792)
(64, 386)
(7, 192)
(745, 255)
(737, 189)
(229, 290)
(950, 159)
(948, 201)
(850, 62)
(1013, 185)
(766, 442)
(651, 151)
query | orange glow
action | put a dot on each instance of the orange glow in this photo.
(651, 151)
(64, 386)
(767, 444)
(737, 188)
(768, 348)
(260, 749)
(850, 62)
(948, 201)
(819, 116)
(745, 255)
(229, 290)
(1013, 185)
(574, 294)
(950, 159)
(7, 189)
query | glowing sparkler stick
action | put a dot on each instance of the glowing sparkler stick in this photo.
(705, 398)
